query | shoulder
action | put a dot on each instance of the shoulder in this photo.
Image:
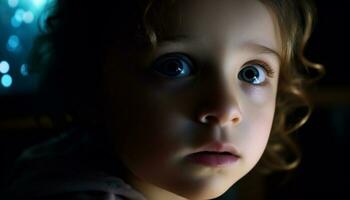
(65, 168)
(81, 187)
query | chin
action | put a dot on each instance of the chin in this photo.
(204, 196)
(207, 193)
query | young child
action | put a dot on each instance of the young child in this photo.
(171, 99)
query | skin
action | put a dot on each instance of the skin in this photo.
(157, 121)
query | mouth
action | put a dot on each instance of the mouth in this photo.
(213, 159)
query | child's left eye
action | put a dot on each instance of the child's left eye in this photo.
(253, 73)
(174, 65)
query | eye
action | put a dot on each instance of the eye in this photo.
(174, 65)
(253, 73)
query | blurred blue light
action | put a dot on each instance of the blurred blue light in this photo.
(6, 80)
(24, 70)
(39, 3)
(15, 23)
(12, 3)
(28, 17)
(19, 14)
(4, 67)
(13, 43)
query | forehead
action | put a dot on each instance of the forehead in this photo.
(226, 21)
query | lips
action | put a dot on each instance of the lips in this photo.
(215, 154)
(213, 159)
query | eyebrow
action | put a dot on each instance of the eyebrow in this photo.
(177, 38)
(262, 49)
(250, 44)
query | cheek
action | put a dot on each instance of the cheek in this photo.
(147, 130)
(260, 96)
(153, 151)
(259, 134)
(258, 128)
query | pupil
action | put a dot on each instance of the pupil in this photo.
(173, 67)
(250, 74)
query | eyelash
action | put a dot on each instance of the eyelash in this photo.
(267, 68)
(269, 71)
(185, 59)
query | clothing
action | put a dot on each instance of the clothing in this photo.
(75, 165)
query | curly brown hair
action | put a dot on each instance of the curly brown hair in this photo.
(74, 42)
(296, 19)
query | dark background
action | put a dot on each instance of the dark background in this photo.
(324, 139)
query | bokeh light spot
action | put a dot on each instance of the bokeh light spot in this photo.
(39, 3)
(12, 3)
(28, 17)
(15, 23)
(19, 14)
(4, 67)
(6, 80)
(24, 70)
(13, 43)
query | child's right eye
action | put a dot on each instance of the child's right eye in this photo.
(174, 65)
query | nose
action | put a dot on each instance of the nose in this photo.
(223, 117)
(221, 109)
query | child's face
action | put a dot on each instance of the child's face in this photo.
(214, 90)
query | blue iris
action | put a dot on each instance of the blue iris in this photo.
(174, 65)
(253, 74)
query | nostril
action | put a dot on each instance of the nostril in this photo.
(209, 119)
(236, 120)
(220, 118)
